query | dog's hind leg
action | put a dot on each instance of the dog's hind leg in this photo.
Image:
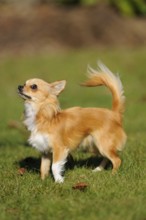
(114, 158)
(112, 155)
(102, 165)
(108, 149)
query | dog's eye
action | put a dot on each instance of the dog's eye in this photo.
(34, 86)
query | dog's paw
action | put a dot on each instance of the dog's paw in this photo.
(59, 179)
(98, 169)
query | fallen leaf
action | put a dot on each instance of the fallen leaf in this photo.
(80, 186)
(21, 171)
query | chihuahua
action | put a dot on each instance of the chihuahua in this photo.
(56, 132)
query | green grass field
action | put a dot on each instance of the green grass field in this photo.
(107, 197)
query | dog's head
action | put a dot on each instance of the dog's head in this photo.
(37, 90)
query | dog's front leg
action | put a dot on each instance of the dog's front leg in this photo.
(59, 160)
(45, 165)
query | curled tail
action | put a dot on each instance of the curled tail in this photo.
(103, 76)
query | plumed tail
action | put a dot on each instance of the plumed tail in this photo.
(103, 76)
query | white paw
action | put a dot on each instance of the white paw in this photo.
(98, 169)
(59, 179)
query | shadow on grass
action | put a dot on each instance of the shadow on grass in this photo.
(91, 162)
(32, 164)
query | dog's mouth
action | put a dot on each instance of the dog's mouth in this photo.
(24, 96)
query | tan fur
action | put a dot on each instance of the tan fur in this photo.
(70, 128)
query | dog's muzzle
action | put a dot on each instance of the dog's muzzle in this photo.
(20, 88)
(20, 91)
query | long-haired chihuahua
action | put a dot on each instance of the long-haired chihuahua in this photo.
(56, 132)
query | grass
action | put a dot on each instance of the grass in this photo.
(118, 197)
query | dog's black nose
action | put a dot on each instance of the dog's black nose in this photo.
(20, 88)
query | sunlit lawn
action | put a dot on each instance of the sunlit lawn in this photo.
(118, 197)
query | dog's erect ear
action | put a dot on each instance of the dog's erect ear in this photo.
(57, 87)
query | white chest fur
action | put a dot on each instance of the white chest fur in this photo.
(30, 114)
(40, 141)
